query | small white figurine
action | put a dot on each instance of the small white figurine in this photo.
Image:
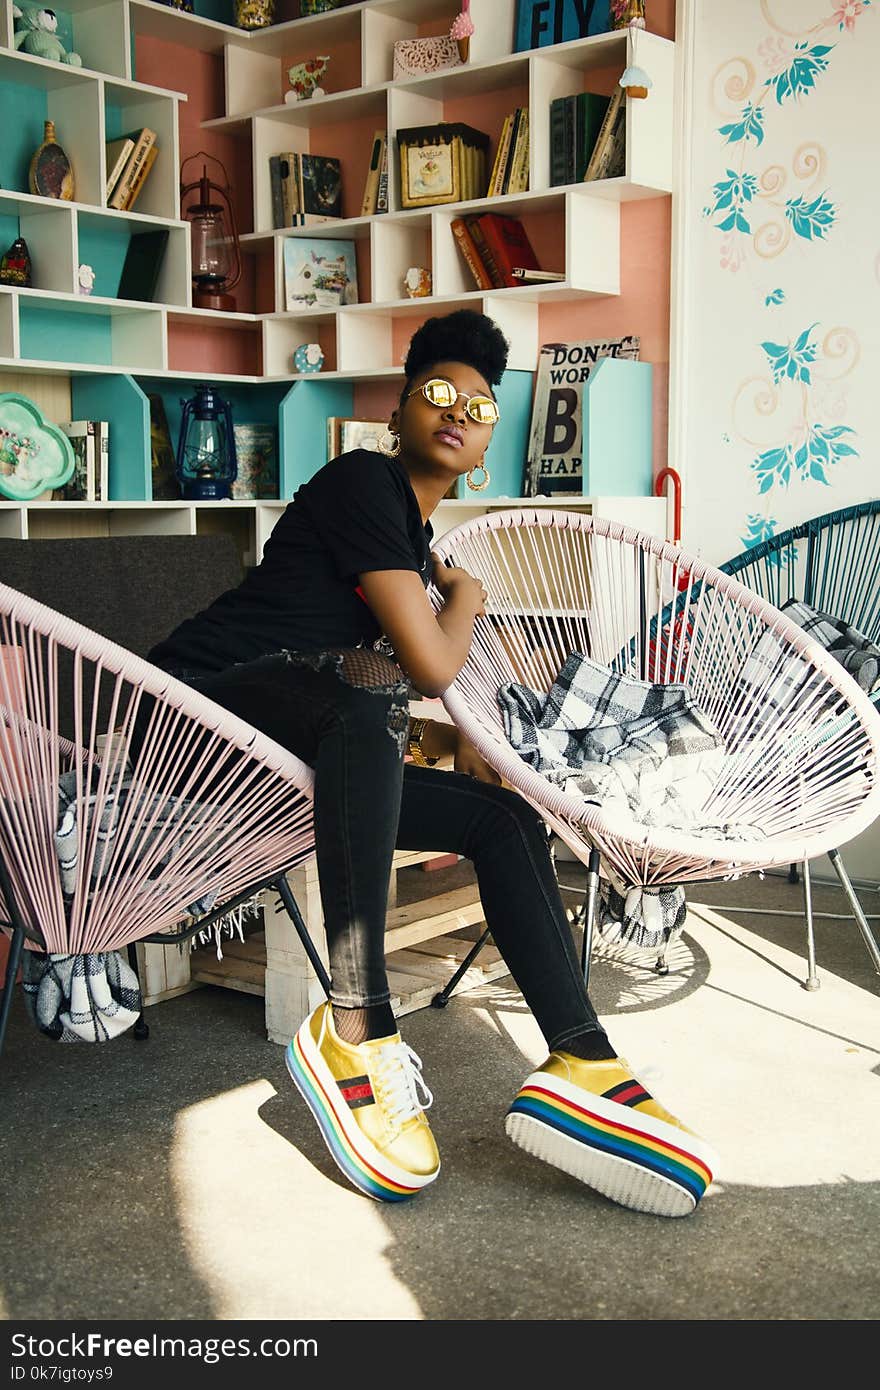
(85, 279)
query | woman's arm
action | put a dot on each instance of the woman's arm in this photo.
(431, 650)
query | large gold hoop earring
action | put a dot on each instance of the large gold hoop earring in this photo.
(477, 487)
(389, 444)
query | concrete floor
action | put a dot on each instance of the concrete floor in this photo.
(184, 1178)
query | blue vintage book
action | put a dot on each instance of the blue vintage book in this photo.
(542, 22)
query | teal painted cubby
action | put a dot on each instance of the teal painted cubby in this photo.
(23, 109)
(102, 245)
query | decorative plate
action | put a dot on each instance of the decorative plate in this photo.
(34, 454)
(308, 358)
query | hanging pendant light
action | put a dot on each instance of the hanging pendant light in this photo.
(216, 253)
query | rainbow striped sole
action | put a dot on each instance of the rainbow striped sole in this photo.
(632, 1158)
(363, 1164)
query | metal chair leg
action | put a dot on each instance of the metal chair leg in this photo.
(812, 981)
(442, 999)
(591, 902)
(12, 964)
(856, 906)
(308, 944)
(141, 1030)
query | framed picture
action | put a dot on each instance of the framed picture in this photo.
(345, 434)
(319, 273)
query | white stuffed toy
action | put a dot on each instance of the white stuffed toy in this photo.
(35, 34)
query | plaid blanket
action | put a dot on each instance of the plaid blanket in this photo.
(95, 996)
(89, 998)
(645, 749)
(855, 652)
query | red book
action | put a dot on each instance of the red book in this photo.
(468, 249)
(483, 251)
(508, 244)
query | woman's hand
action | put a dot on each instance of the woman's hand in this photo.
(469, 761)
(451, 580)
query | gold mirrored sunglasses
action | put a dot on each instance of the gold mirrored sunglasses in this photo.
(443, 394)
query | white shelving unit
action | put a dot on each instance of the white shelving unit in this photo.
(361, 342)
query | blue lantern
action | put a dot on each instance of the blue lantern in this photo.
(206, 462)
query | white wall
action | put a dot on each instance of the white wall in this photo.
(792, 289)
(802, 292)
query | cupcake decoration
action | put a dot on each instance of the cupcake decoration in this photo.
(462, 28)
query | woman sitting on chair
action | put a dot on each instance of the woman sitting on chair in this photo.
(318, 648)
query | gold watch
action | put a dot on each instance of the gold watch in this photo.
(414, 746)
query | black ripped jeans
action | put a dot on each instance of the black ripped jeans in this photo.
(345, 713)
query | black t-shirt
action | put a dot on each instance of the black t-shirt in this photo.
(357, 513)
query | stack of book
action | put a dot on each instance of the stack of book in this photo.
(129, 161)
(587, 137)
(89, 482)
(306, 189)
(510, 172)
(575, 122)
(498, 251)
(375, 198)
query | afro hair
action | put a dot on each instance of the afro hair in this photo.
(463, 336)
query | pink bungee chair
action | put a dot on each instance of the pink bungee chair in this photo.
(801, 740)
(210, 812)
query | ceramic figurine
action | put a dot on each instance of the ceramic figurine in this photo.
(15, 264)
(417, 282)
(305, 77)
(85, 279)
(308, 358)
(35, 34)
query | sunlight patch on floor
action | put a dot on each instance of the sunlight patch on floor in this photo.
(252, 1207)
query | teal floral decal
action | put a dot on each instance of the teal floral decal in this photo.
(790, 360)
(760, 529)
(810, 219)
(799, 392)
(754, 210)
(774, 297)
(731, 196)
(800, 76)
(750, 126)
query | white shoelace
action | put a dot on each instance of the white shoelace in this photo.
(399, 1081)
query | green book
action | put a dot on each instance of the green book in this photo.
(588, 121)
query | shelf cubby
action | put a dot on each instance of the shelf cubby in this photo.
(33, 91)
(47, 226)
(284, 333)
(98, 30)
(256, 74)
(102, 240)
(85, 331)
(8, 325)
(128, 108)
(348, 139)
(396, 246)
(388, 20)
(223, 346)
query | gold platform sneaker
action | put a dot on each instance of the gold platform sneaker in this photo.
(369, 1102)
(595, 1121)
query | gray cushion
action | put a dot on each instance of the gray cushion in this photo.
(132, 589)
